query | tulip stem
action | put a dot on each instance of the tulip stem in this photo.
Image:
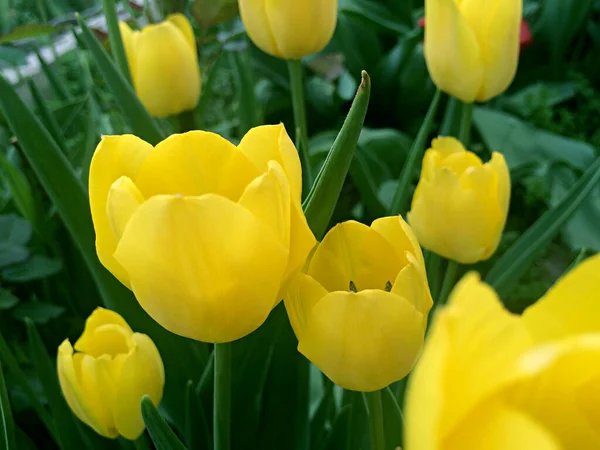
(414, 157)
(448, 284)
(464, 134)
(187, 121)
(376, 420)
(297, 86)
(222, 397)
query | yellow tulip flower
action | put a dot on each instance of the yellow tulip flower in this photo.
(163, 61)
(460, 206)
(112, 369)
(472, 47)
(360, 309)
(490, 379)
(205, 233)
(289, 29)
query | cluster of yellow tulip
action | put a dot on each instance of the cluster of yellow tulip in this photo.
(210, 237)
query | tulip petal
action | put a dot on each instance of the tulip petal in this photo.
(400, 236)
(290, 23)
(363, 341)
(167, 76)
(354, 252)
(302, 240)
(142, 374)
(124, 198)
(203, 267)
(559, 385)
(452, 52)
(254, 16)
(129, 38)
(411, 284)
(196, 163)
(114, 157)
(109, 339)
(570, 307)
(302, 294)
(272, 143)
(497, 26)
(498, 165)
(268, 198)
(181, 22)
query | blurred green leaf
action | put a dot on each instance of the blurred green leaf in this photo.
(338, 437)
(15, 233)
(39, 312)
(7, 425)
(66, 427)
(142, 124)
(209, 13)
(511, 266)
(323, 197)
(34, 268)
(539, 95)
(321, 423)
(7, 299)
(27, 31)
(358, 421)
(197, 431)
(58, 84)
(393, 422)
(47, 117)
(375, 14)
(163, 437)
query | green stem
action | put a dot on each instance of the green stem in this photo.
(414, 156)
(187, 121)
(297, 86)
(222, 397)
(448, 283)
(376, 420)
(115, 39)
(464, 134)
(433, 273)
(142, 443)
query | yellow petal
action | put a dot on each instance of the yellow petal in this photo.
(109, 339)
(167, 76)
(254, 16)
(142, 374)
(272, 143)
(411, 284)
(363, 341)
(496, 25)
(570, 307)
(452, 52)
(302, 294)
(268, 198)
(301, 28)
(124, 198)
(73, 392)
(129, 38)
(115, 156)
(181, 22)
(302, 240)
(355, 252)
(498, 165)
(196, 163)
(203, 267)
(399, 234)
(558, 386)
(447, 145)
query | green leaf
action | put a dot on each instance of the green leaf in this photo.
(538, 96)
(7, 299)
(28, 31)
(358, 428)
(114, 37)
(321, 200)
(374, 14)
(7, 425)
(38, 312)
(320, 424)
(197, 431)
(15, 233)
(142, 124)
(338, 438)
(57, 83)
(20, 189)
(163, 437)
(35, 268)
(47, 116)
(45, 367)
(393, 422)
(511, 266)
(248, 108)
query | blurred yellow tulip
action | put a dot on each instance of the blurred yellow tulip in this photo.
(472, 47)
(360, 309)
(112, 369)
(460, 206)
(490, 379)
(164, 65)
(289, 29)
(205, 233)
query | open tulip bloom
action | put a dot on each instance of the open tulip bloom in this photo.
(489, 379)
(205, 233)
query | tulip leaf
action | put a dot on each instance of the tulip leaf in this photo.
(7, 425)
(28, 31)
(162, 435)
(393, 422)
(115, 39)
(142, 124)
(58, 85)
(338, 437)
(358, 437)
(47, 117)
(66, 427)
(518, 258)
(322, 199)
(197, 431)
(20, 189)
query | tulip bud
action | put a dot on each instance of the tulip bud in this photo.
(109, 373)
(360, 309)
(460, 206)
(289, 29)
(163, 61)
(472, 47)
(205, 233)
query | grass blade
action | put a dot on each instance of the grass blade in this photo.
(163, 437)
(7, 426)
